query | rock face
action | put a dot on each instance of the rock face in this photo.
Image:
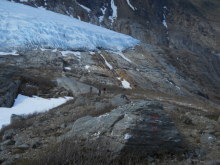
(142, 127)
(76, 87)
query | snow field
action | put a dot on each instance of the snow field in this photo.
(26, 105)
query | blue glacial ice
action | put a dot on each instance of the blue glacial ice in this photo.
(24, 28)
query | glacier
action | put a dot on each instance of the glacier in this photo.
(24, 28)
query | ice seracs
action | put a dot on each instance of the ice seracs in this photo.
(25, 28)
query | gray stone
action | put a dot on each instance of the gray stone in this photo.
(19, 142)
(217, 133)
(150, 159)
(81, 101)
(214, 162)
(8, 142)
(142, 127)
(201, 152)
(9, 161)
(15, 118)
(77, 88)
(219, 120)
(9, 134)
(119, 100)
(63, 125)
(23, 146)
(5, 145)
(207, 138)
(209, 131)
(17, 156)
(102, 106)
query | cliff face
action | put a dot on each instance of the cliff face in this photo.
(183, 25)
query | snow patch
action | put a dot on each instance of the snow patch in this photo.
(164, 20)
(26, 105)
(77, 54)
(78, 17)
(84, 7)
(92, 53)
(127, 136)
(125, 83)
(133, 8)
(114, 9)
(14, 53)
(67, 68)
(106, 62)
(114, 12)
(123, 56)
(165, 7)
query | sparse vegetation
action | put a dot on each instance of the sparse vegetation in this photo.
(30, 85)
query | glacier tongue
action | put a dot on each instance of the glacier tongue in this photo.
(24, 28)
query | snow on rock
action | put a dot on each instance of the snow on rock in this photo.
(77, 54)
(133, 8)
(86, 8)
(125, 83)
(106, 62)
(127, 136)
(67, 68)
(114, 9)
(26, 105)
(9, 53)
(87, 68)
(165, 7)
(123, 56)
(164, 21)
(103, 9)
(26, 28)
(114, 12)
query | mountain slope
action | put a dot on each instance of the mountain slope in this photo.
(190, 24)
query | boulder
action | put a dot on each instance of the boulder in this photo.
(15, 118)
(102, 106)
(119, 100)
(9, 89)
(207, 138)
(81, 101)
(219, 120)
(9, 134)
(23, 146)
(142, 127)
(77, 88)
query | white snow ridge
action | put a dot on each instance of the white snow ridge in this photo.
(24, 28)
